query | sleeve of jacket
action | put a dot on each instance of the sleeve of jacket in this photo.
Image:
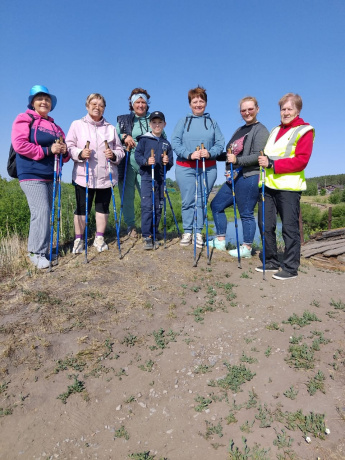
(171, 158)
(139, 154)
(61, 133)
(258, 143)
(72, 142)
(117, 149)
(219, 142)
(20, 139)
(302, 156)
(176, 140)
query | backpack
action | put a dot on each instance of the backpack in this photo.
(11, 162)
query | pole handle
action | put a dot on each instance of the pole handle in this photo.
(197, 147)
(87, 145)
(164, 153)
(262, 153)
(106, 144)
(202, 145)
(152, 153)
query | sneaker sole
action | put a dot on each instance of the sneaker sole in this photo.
(185, 244)
(273, 270)
(277, 277)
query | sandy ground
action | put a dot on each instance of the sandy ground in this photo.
(143, 358)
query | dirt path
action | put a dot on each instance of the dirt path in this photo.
(153, 357)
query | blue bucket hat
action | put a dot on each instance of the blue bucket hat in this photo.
(41, 89)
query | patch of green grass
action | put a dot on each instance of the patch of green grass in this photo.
(291, 393)
(246, 426)
(3, 387)
(245, 275)
(268, 351)
(273, 327)
(282, 440)
(247, 453)
(230, 418)
(203, 403)
(130, 340)
(316, 383)
(202, 369)
(130, 399)
(315, 303)
(236, 376)
(162, 340)
(70, 362)
(77, 387)
(303, 320)
(301, 356)
(247, 359)
(212, 430)
(253, 400)
(265, 416)
(312, 423)
(5, 411)
(296, 339)
(338, 305)
(144, 456)
(121, 433)
(148, 366)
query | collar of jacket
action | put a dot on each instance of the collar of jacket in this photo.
(101, 122)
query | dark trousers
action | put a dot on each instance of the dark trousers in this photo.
(146, 206)
(287, 205)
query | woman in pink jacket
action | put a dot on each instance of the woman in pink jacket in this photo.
(34, 136)
(95, 129)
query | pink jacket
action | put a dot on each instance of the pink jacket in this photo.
(86, 129)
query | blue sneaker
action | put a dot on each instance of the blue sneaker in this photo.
(245, 253)
(220, 245)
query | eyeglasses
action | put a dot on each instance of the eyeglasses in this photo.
(99, 106)
(250, 110)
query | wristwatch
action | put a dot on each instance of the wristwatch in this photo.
(270, 163)
(124, 137)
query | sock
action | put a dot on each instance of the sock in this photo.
(99, 234)
(79, 236)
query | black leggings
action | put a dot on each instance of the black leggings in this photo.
(102, 200)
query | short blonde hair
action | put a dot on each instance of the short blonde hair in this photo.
(95, 96)
(295, 98)
(249, 98)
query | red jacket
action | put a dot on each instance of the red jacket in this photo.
(303, 150)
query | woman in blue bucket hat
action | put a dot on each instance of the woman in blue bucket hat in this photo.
(34, 136)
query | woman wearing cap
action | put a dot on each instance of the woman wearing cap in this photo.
(245, 144)
(129, 127)
(95, 129)
(191, 132)
(34, 136)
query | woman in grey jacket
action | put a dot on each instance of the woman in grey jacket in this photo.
(245, 146)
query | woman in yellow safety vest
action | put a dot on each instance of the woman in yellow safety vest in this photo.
(287, 153)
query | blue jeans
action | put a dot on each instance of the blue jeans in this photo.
(185, 178)
(133, 181)
(246, 195)
(146, 206)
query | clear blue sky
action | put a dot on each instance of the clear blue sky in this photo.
(233, 48)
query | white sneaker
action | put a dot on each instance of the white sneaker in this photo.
(78, 246)
(199, 240)
(39, 260)
(100, 244)
(186, 239)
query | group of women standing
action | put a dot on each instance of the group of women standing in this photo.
(198, 143)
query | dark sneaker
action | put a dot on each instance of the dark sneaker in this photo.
(268, 268)
(148, 244)
(283, 275)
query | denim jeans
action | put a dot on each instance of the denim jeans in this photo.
(246, 195)
(147, 208)
(185, 178)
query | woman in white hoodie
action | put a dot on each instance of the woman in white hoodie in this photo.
(95, 129)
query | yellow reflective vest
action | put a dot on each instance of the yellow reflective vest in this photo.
(285, 147)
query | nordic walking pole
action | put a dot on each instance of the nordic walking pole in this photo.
(263, 180)
(153, 201)
(205, 205)
(196, 207)
(114, 203)
(59, 203)
(123, 189)
(235, 212)
(165, 199)
(87, 146)
(172, 211)
(53, 215)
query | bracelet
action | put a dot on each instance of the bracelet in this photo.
(124, 137)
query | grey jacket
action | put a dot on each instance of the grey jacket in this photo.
(256, 141)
